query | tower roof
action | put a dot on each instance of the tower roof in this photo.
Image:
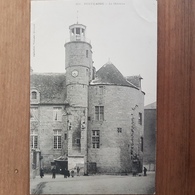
(110, 75)
(77, 25)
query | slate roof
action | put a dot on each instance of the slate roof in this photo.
(51, 86)
(108, 74)
(135, 80)
(151, 106)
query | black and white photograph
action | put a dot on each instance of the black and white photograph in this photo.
(93, 83)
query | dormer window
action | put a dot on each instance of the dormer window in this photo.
(34, 95)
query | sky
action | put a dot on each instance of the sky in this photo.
(122, 31)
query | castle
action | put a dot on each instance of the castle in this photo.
(87, 118)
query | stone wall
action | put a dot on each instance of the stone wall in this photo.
(77, 95)
(45, 126)
(74, 161)
(113, 156)
(76, 54)
(78, 58)
(150, 139)
(121, 104)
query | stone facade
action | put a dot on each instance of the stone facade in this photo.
(94, 119)
(150, 136)
(45, 126)
(114, 152)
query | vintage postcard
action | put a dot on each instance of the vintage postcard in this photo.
(93, 96)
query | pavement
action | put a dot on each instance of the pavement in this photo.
(96, 184)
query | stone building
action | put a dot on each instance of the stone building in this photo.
(89, 119)
(150, 136)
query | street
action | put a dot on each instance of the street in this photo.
(97, 184)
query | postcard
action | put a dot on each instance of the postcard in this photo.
(93, 96)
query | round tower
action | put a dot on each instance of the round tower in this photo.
(78, 65)
(79, 71)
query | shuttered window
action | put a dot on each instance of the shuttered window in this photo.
(34, 139)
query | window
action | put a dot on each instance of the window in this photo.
(140, 118)
(99, 113)
(119, 130)
(87, 53)
(57, 138)
(78, 31)
(34, 139)
(142, 144)
(57, 114)
(34, 113)
(65, 136)
(95, 138)
(34, 95)
(78, 142)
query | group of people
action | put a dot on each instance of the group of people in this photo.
(66, 172)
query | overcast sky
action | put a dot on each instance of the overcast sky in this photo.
(124, 31)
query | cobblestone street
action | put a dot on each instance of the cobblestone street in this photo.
(97, 184)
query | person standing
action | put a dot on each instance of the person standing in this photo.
(65, 173)
(41, 172)
(53, 173)
(145, 171)
(72, 173)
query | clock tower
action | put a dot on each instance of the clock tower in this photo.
(79, 72)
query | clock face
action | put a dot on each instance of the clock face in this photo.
(75, 73)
